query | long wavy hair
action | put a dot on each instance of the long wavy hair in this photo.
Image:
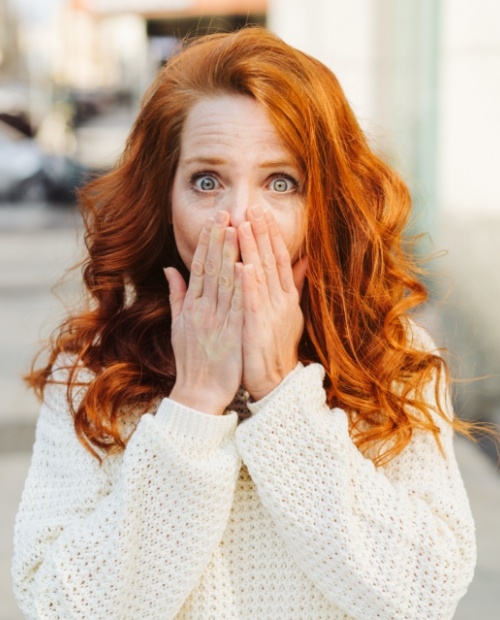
(361, 281)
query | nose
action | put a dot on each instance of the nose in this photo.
(241, 199)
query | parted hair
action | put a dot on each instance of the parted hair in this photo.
(362, 279)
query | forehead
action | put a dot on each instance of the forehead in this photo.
(230, 122)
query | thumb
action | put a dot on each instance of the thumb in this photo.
(177, 288)
(299, 270)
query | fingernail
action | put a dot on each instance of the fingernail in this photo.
(256, 212)
(247, 229)
(230, 234)
(220, 217)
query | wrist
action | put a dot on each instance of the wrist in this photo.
(199, 400)
(262, 392)
(256, 405)
(262, 388)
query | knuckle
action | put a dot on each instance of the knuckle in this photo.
(197, 268)
(211, 267)
(268, 261)
(282, 259)
(255, 307)
(225, 282)
(237, 303)
(260, 276)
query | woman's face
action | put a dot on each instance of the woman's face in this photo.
(231, 159)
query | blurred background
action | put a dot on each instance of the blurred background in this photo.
(423, 77)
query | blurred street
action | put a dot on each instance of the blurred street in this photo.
(37, 245)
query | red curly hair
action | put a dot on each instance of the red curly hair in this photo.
(361, 281)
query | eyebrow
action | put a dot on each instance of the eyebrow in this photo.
(278, 163)
(219, 161)
(210, 161)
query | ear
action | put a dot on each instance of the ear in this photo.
(299, 270)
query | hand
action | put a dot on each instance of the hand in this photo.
(207, 321)
(273, 322)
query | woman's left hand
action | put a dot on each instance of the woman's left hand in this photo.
(273, 320)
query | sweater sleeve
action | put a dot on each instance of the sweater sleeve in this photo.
(130, 538)
(395, 543)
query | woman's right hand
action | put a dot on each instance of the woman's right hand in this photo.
(207, 321)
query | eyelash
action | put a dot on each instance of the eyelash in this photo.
(199, 175)
(276, 175)
(287, 177)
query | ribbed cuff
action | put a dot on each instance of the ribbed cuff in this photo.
(301, 390)
(256, 406)
(293, 407)
(192, 428)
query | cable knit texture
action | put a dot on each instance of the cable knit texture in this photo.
(277, 517)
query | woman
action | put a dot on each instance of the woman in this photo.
(273, 439)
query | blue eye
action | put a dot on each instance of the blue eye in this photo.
(205, 183)
(283, 184)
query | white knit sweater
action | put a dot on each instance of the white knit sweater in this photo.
(277, 518)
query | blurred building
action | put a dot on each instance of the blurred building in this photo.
(423, 78)
(76, 60)
(90, 47)
(165, 22)
(9, 53)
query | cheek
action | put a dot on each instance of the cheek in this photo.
(186, 233)
(186, 227)
(292, 230)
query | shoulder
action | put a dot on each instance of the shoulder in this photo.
(435, 391)
(67, 382)
(65, 390)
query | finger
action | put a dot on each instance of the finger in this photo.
(250, 254)
(213, 260)
(177, 291)
(267, 259)
(252, 302)
(281, 254)
(299, 270)
(236, 309)
(197, 271)
(227, 271)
